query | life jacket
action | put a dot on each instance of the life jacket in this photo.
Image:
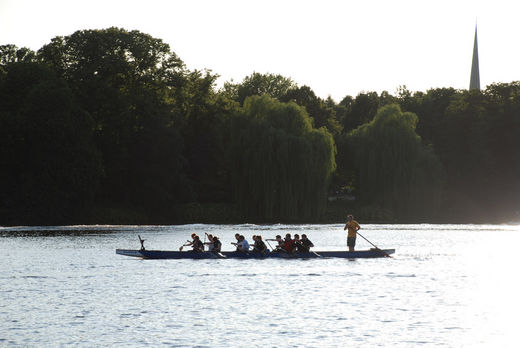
(288, 245)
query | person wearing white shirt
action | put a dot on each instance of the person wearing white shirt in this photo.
(242, 244)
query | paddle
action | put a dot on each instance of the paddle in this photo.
(315, 253)
(242, 249)
(142, 242)
(278, 248)
(207, 243)
(384, 252)
(185, 244)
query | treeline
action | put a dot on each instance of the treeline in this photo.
(109, 126)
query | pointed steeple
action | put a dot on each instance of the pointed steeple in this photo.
(474, 82)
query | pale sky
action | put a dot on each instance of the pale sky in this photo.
(337, 48)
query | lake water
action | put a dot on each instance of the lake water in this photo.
(447, 286)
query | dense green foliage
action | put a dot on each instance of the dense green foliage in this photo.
(125, 81)
(476, 135)
(396, 171)
(280, 164)
(109, 126)
(272, 85)
(50, 165)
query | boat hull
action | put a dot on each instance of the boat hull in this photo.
(164, 254)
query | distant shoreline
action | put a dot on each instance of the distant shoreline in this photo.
(226, 214)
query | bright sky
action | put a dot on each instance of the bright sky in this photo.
(337, 48)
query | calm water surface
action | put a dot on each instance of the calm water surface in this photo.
(447, 285)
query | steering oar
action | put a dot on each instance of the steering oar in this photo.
(381, 250)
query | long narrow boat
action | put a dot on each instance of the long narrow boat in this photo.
(163, 254)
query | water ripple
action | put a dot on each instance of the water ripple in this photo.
(55, 293)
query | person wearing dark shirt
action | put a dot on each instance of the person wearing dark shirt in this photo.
(305, 244)
(213, 243)
(259, 245)
(297, 242)
(196, 243)
(217, 244)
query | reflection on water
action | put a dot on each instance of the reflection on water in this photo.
(447, 285)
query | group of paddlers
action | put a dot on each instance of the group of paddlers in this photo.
(288, 244)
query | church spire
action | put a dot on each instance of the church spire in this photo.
(474, 82)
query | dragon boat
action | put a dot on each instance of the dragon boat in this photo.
(165, 254)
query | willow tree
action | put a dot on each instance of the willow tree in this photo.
(395, 170)
(281, 165)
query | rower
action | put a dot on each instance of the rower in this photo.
(297, 242)
(259, 246)
(217, 245)
(288, 244)
(279, 240)
(242, 244)
(237, 237)
(305, 244)
(209, 243)
(196, 243)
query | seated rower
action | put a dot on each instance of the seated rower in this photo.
(279, 240)
(288, 244)
(196, 243)
(259, 246)
(305, 244)
(217, 245)
(297, 243)
(242, 244)
(237, 237)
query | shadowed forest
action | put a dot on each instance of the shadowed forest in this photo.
(110, 127)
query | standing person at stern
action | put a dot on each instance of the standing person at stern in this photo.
(352, 226)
